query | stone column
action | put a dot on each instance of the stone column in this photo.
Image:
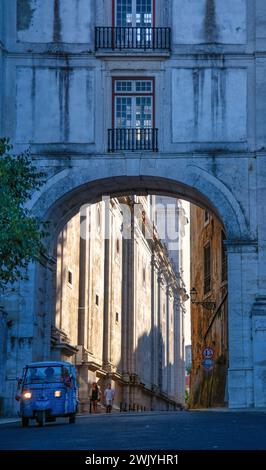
(259, 307)
(159, 339)
(259, 350)
(132, 296)
(242, 288)
(125, 319)
(83, 314)
(128, 313)
(106, 311)
(258, 206)
(49, 303)
(84, 262)
(154, 328)
(168, 367)
(178, 336)
(182, 354)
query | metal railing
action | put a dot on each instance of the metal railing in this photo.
(144, 38)
(127, 407)
(133, 139)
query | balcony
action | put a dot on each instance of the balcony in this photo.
(133, 139)
(137, 39)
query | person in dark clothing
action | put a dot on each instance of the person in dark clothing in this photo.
(94, 396)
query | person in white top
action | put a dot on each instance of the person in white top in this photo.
(109, 395)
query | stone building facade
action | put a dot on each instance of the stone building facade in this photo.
(209, 327)
(120, 306)
(203, 91)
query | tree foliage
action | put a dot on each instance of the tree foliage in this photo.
(20, 233)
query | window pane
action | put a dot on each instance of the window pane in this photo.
(143, 111)
(43, 374)
(133, 111)
(144, 86)
(143, 12)
(134, 13)
(123, 111)
(124, 12)
(123, 85)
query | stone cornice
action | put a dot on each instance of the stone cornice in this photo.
(73, 154)
(239, 246)
(61, 51)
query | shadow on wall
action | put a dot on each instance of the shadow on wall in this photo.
(3, 355)
(208, 387)
(211, 29)
(153, 374)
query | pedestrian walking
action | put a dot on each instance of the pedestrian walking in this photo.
(109, 395)
(94, 396)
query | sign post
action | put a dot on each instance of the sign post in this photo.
(207, 353)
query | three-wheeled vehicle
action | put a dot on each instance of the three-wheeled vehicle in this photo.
(48, 390)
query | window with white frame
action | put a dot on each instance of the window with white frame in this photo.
(133, 103)
(134, 13)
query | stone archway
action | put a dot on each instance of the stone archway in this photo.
(68, 190)
(62, 197)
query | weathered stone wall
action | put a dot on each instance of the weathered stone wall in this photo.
(96, 283)
(3, 357)
(209, 21)
(143, 299)
(67, 291)
(49, 100)
(55, 21)
(115, 286)
(210, 104)
(228, 177)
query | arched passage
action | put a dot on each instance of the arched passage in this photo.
(64, 194)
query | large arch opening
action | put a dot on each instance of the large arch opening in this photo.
(166, 385)
(62, 202)
(61, 199)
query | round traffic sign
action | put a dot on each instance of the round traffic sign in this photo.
(208, 353)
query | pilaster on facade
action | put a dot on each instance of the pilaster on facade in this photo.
(61, 344)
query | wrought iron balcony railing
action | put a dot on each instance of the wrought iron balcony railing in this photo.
(120, 38)
(133, 139)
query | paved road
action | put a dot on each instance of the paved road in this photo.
(176, 431)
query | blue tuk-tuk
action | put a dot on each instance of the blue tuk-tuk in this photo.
(48, 390)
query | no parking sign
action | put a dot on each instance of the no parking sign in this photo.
(208, 353)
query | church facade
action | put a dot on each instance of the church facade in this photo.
(120, 306)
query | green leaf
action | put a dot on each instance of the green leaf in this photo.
(21, 234)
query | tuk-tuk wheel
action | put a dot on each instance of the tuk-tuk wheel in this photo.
(25, 422)
(40, 416)
(72, 418)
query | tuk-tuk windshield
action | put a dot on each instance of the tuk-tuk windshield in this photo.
(43, 374)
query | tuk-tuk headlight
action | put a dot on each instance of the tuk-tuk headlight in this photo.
(27, 395)
(57, 393)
